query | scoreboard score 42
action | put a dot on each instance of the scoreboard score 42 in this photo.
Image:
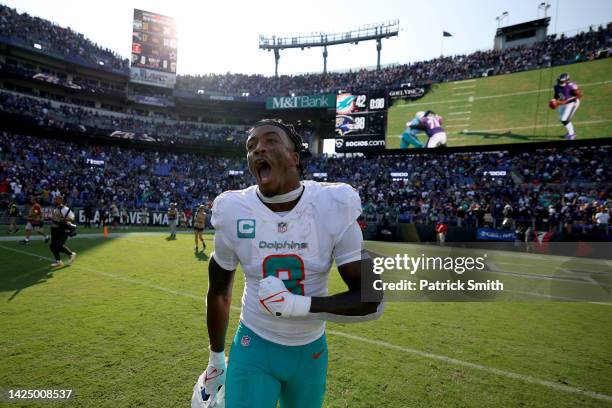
(360, 121)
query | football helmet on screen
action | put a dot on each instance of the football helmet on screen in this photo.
(563, 78)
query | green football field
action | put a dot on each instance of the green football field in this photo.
(124, 327)
(512, 108)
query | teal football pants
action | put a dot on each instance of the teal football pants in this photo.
(260, 373)
(409, 138)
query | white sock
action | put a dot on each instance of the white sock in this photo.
(570, 128)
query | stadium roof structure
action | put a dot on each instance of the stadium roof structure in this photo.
(522, 34)
(376, 31)
(541, 22)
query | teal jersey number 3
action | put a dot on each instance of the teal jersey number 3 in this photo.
(289, 268)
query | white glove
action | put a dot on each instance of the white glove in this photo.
(275, 299)
(210, 381)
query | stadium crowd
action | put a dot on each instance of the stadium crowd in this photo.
(72, 117)
(543, 187)
(555, 50)
(53, 38)
(86, 85)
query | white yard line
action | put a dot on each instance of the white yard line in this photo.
(491, 370)
(411, 105)
(449, 119)
(12, 238)
(389, 346)
(552, 124)
(500, 95)
(469, 105)
(463, 87)
(554, 297)
(460, 113)
(464, 125)
(537, 91)
(79, 265)
(464, 93)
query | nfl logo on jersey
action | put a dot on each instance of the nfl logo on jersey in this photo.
(282, 227)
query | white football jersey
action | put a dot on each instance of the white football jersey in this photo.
(296, 247)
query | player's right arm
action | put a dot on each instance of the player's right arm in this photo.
(218, 302)
(221, 269)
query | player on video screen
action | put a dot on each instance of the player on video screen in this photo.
(431, 124)
(567, 97)
(409, 137)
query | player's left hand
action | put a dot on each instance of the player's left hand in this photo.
(275, 299)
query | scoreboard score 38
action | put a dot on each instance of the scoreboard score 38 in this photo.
(361, 119)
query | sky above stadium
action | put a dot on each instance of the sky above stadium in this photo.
(222, 36)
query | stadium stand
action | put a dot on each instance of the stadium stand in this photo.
(556, 50)
(84, 84)
(55, 39)
(68, 116)
(549, 188)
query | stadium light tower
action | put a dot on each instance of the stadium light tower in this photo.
(377, 31)
(544, 7)
(500, 18)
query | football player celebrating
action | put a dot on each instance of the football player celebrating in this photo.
(431, 124)
(567, 96)
(285, 233)
(35, 222)
(409, 137)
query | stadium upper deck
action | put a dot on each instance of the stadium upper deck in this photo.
(26, 30)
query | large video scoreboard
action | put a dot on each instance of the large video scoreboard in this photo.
(361, 120)
(154, 49)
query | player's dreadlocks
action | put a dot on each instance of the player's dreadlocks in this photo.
(294, 136)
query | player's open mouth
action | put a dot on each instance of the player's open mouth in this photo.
(263, 169)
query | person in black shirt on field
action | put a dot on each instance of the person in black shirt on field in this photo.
(62, 218)
(13, 213)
